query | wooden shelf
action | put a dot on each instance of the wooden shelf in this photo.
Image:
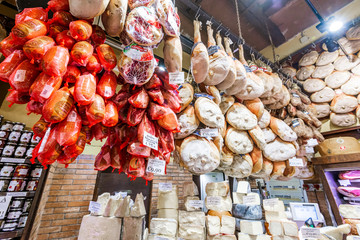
(13, 234)
(353, 157)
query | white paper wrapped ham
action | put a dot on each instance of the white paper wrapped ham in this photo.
(305, 72)
(87, 9)
(352, 87)
(188, 123)
(313, 85)
(240, 117)
(264, 121)
(199, 56)
(279, 150)
(238, 141)
(241, 167)
(186, 94)
(343, 119)
(173, 54)
(281, 129)
(344, 63)
(209, 113)
(168, 17)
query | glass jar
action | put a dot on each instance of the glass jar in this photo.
(9, 150)
(26, 137)
(29, 151)
(4, 183)
(22, 170)
(14, 213)
(36, 172)
(17, 202)
(35, 140)
(15, 185)
(32, 184)
(20, 151)
(7, 126)
(27, 205)
(22, 220)
(14, 136)
(9, 225)
(18, 126)
(7, 170)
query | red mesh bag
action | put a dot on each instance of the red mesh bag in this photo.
(168, 17)
(49, 149)
(134, 166)
(72, 73)
(100, 132)
(164, 77)
(115, 154)
(55, 29)
(85, 88)
(107, 56)
(44, 86)
(138, 150)
(96, 110)
(58, 106)
(111, 115)
(37, 13)
(123, 112)
(169, 121)
(64, 160)
(125, 39)
(154, 82)
(8, 66)
(98, 35)
(166, 141)
(82, 113)
(16, 97)
(172, 100)
(63, 18)
(9, 45)
(77, 148)
(23, 76)
(156, 96)
(29, 29)
(107, 85)
(140, 99)
(145, 126)
(121, 99)
(55, 61)
(94, 65)
(34, 107)
(103, 159)
(80, 30)
(88, 133)
(125, 134)
(68, 130)
(40, 127)
(36, 48)
(135, 115)
(63, 39)
(156, 111)
(81, 52)
(58, 5)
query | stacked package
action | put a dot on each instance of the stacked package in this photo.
(166, 225)
(114, 216)
(219, 222)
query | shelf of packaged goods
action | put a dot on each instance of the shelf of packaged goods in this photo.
(18, 194)
(14, 160)
(344, 158)
(13, 234)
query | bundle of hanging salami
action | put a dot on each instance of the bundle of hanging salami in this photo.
(63, 70)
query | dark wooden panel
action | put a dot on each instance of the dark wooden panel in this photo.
(355, 157)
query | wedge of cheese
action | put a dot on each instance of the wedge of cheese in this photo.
(192, 218)
(260, 237)
(213, 225)
(349, 211)
(168, 199)
(276, 228)
(217, 189)
(124, 209)
(191, 232)
(138, 209)
(244, 236)
(228, 237)
(251, 212)
(243, 187)
(275, 215)
(158, 237)
(163, 226)
(217, 203)
(290, 228)
(227, 225)
(168, 213)
(251, 227)
(94, 228)
(189, 206)
(238, 197)
(103, 200)
(190, 189)
(133, 228)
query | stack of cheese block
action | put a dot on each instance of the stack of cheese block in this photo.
(333, 80)
(220, 224)
(116, 216)
(351, 215)
(277, 223)
(248, 212)
(166, 225)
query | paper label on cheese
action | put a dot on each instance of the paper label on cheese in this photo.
(165, 187)
(150, 141)
(176, 77)
(310, 232)
(296, 162)
(94, 207)
(312, 142)
(249, 200)
(309, 149)
(20, 76)
(213, 200)
(344, 183)
(272, 202)
(209, 132)
(156, 166)
(196, 203)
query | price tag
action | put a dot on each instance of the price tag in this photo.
(20, 76)
(209, 132)
(176, 77)
(72, 116)
(272, 202)
(165, 187)
(16, 194)
(196, 203)
(296, 162)
(156, 166)
(4, 205)
(123, 194)
(310, 232)
(94, 207)
(107, 91)
(150, 141)
(13, 160)
(355, 237)
(309, 149)
(344, 182)
(46, 92)
(160, 238)
(312, 142)
(213, 200)
(249, 200)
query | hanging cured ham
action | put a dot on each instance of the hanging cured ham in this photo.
(199, 56)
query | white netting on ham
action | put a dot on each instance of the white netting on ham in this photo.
(168, 17)
(138, 3)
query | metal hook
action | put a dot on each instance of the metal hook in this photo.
(209, 22)
(313, 45)
(197, 14)
(217, 29)
(227, 33)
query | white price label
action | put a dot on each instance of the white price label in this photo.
(107, 91)
(355, 237)
(4, 205)
(172, 20)
(344, 182)
(156, 166)
(46, 92)
(272, 202)
(209, 132)
(196, 203)
(16, 194)
(296, 162)
(312, 142)
(20, 76)
(310, 232)
(309, 149)
(150, 141)
(123, 194)
(160, 238)
(176, 77)
(249, 200)
(71, 117)
(213, 200)
(165, 187)
(94, 207)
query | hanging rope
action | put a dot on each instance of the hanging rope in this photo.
(238, 19)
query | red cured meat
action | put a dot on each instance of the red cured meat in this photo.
(88, 133)
(140, 99)
(123, 112)
(49, 150)
(138, 150)
(58, 5)
(116, 154)
(94, 65)
(58, 106)
(34, 107)
(72, 73)
(40, 127)
(77, 148)
(44, 86)
(103, 159)
(135, 115)
(65, 40)
(16, 97)
(8, 66)
(154, 82)
(63, 18)
(166, 141)
(96, 110)
(156, 96)
(8, 45)
(164, 76)
(81, 52)
(38, 13)
(68, 130)
(156, 111)
(138, 3)
(125, 134)
(85, 88)
(169, 121)
(168, 17)
(55, 29)
(106, 56)
(121, 99)
(111, 115)
(23, 76)
(80, 30)
(145, 126)
(100, 131)
(134, 166)
(98, 35)
(107, 85)
(29, 29)
(55, 61)
(172, 100)
(349, 191)
(350, 175)
(82, 113)
(36, 48)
